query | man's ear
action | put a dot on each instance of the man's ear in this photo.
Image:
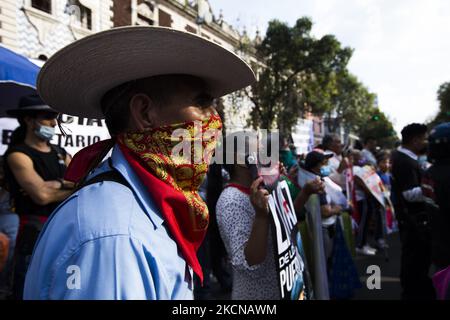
(141, 112)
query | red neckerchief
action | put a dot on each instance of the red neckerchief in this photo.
(171, 202)
(241, 188)
(184, 215)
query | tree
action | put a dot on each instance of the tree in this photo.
(443, 96)
(294, 71)
(349, 99)
(375, 123)
(298, 73)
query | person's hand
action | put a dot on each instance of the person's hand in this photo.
(68, 185)
(259, 197)
(345, 163)
(293, 172)
(314, 186)
(350, 205)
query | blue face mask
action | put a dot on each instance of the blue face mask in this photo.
(45, 132)
(325, 171)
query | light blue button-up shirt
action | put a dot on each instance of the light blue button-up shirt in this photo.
(108, 242)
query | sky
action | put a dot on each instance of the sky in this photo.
(402, 47)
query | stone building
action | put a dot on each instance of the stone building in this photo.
(39, 28)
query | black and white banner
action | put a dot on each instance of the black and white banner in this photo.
(80, 133)
(288, 246)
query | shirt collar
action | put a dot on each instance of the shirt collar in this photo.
(408, 152)
(140, 191)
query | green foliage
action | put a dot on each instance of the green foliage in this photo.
(295, 70)
(298, 73)
(378, 125)
(443, 96)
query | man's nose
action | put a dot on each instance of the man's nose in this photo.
(53, 122)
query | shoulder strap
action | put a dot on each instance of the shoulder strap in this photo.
(112, 175)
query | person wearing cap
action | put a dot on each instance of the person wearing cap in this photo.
(34, 170)
(332, 201)
(133, 227)
(342, 274)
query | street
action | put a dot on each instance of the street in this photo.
(390, 281)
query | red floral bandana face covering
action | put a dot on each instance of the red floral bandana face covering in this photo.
(172, 162)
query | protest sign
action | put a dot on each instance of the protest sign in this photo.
(373, 183)
(79, 133)
(288, 248)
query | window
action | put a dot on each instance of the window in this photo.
(43, 5)
(190, 29)
(165, 19)
(86, 17)
(145, 14)
(81, 15)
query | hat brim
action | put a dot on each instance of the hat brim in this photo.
(22, 111)
(74, 80)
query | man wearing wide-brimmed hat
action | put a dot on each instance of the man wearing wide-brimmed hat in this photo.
(132, 229)
(34, 171)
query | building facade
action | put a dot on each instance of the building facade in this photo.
(39, 28)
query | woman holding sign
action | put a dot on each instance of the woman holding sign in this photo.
(245, 226)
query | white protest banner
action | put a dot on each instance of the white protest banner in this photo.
(79, 133)
(289, 263)
(373, 182)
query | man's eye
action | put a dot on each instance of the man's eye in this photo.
(204, 101)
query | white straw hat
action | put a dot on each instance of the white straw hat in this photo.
(74, 80)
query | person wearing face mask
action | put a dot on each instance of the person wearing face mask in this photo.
(332, 201)
(413, 217)
(342, 274)
(34, 171)
(133, 227)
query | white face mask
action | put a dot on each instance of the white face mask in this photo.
(45, 132)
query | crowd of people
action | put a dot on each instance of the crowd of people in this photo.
(126, 219)
(413, 178)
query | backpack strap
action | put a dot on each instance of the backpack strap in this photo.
(111, 175)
